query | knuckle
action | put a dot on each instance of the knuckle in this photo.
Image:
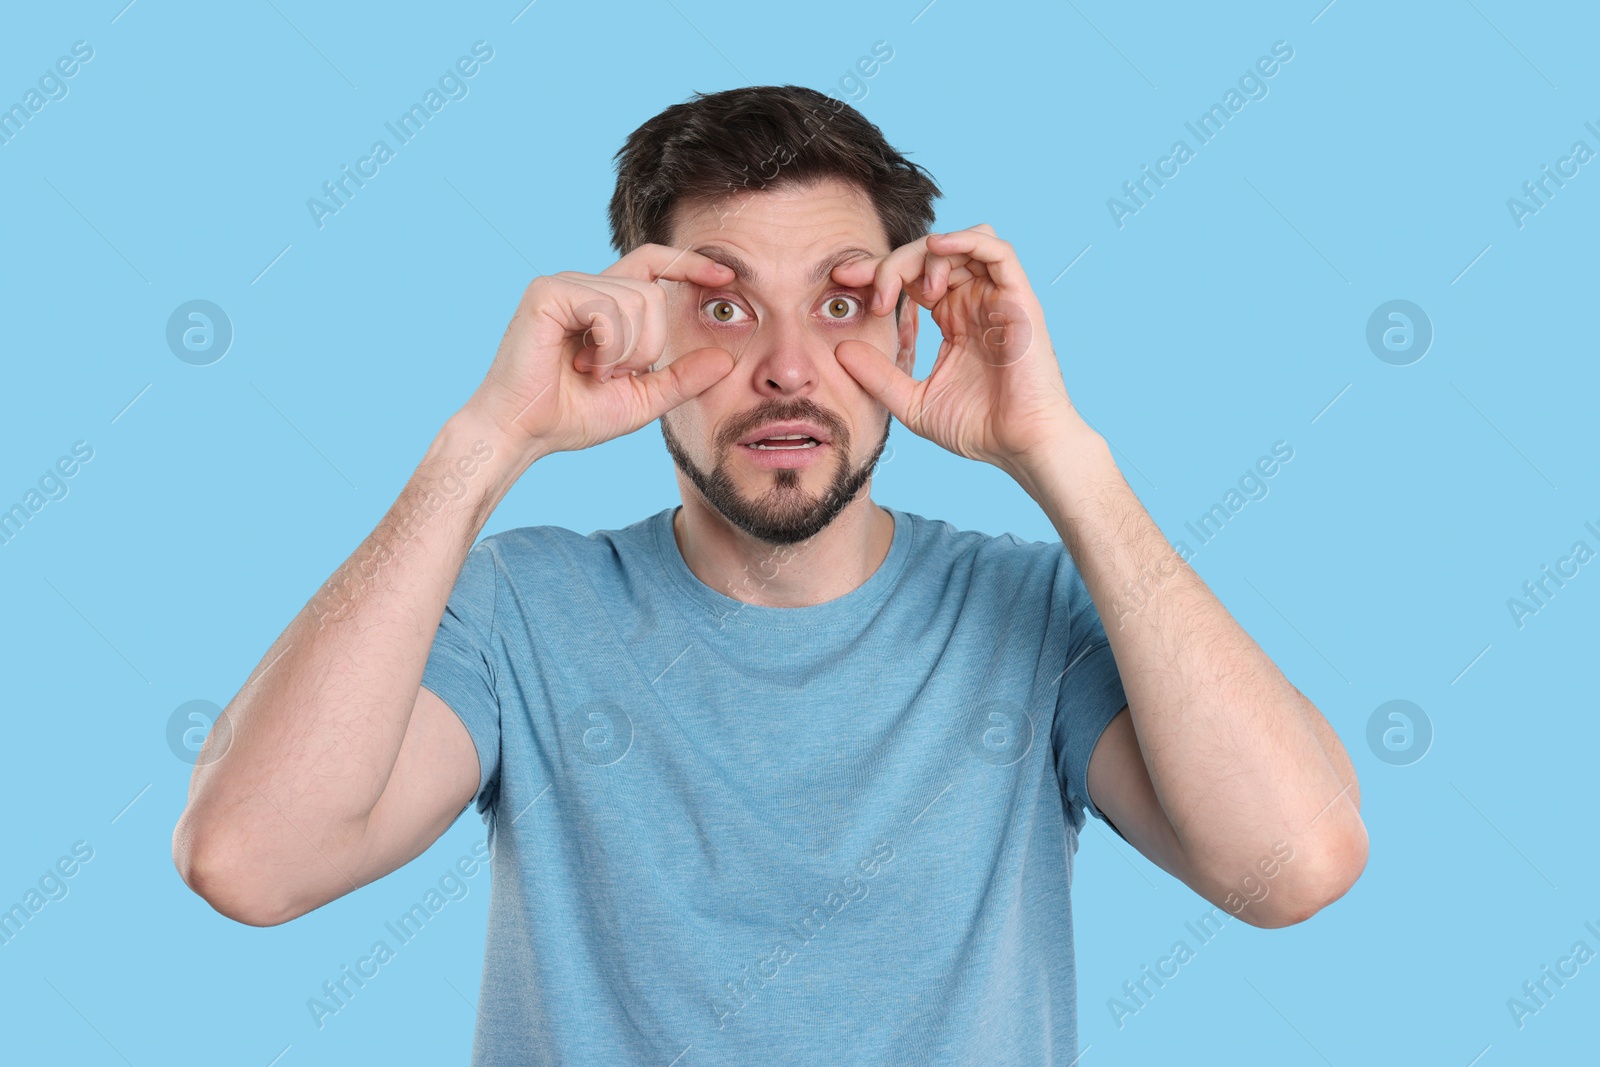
(541, 294)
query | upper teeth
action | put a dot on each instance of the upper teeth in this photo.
(809, 442)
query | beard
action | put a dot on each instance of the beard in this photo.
(784, 513)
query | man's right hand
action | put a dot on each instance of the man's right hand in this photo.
(573, 369)
(274, 826)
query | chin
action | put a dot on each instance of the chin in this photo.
(775, 506)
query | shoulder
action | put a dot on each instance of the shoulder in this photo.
(982, 555)
(524, 553)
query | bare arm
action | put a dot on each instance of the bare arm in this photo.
(338, 767)
(1219, 769)
(282, 820)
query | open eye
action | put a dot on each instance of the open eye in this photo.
(840, 306)
(723, 311)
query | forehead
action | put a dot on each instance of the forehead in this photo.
(783, 232)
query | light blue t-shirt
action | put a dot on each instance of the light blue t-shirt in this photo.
(731, 834)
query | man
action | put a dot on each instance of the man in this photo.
(779, 774)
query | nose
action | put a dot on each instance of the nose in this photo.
(786, 356)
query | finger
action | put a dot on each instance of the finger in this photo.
(858, 271)
(859, 274)
(887, 274)
(642, 331)
(923, 273)
(650, 262)
(952, 271)
(877, 374)
(687, 376)
(929, 278)
(956, 271)
(651, 337)
(982, 246)
(929, 281)
(942, 273)
(603, 331)
(896, 270)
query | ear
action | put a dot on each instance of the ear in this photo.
(905, 356)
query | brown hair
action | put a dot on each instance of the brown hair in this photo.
(761, 137)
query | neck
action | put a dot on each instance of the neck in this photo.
(833, 562)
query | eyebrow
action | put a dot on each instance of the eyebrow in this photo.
(718, 254)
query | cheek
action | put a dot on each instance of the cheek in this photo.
(862, 326)
(880, 333)
(688, 423)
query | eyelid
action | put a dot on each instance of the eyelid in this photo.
(720, 298)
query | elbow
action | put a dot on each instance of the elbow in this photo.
(203, 865)
(1330, 869)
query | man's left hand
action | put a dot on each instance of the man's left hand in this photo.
(995, 392)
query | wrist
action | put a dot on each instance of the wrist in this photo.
(1072, 466)
(478, 418)
(476, 451)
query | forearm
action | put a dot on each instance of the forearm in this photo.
(312, 737)
(1238, 758)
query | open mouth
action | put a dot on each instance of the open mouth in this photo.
(786, 443)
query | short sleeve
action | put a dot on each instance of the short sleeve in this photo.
(460, 667)
(1090, 693)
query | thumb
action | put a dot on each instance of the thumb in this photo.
(687, 376)
(877, 374)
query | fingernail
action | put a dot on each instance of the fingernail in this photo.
(877, 299)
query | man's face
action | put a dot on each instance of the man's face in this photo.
(781, 318)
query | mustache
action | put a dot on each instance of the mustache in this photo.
(801, 409)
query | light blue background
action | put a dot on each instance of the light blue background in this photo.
(1226, 315)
